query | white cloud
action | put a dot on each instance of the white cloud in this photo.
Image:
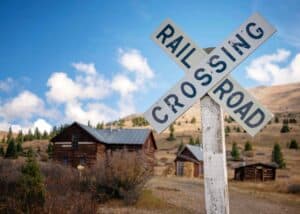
(88, 86)
(84, 67)
(133, 61)
(6, 85)
(93, 112)
(267, 69)
(23, 106)
(123, 84)
(42, 125)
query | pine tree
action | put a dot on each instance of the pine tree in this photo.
(277, 156)
(235, 152)
(248, 146)
(50, 149)
(1, 150)
(285, 128)
(193, 120)
(37, 134)
(276, 119)
(171, 135)
(3, 140)
(191, 141)
(29, 135)
(45, 135)
(11, 151)
(32, 189)
(19, 148)
(181, 145)
(20, 137)
(197, 141)
(9, 134)
(293, 144)
(89, 124)
(100, 125)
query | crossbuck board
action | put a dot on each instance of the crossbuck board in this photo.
(207, 74)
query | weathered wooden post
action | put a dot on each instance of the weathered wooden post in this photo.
(214, 153)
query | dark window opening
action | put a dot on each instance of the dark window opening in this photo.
(65, 160)
(75, 142)
(82, 160)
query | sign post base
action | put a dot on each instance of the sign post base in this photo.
(214, 152)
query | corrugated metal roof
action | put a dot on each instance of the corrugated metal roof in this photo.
(118, 136)
(197, 151)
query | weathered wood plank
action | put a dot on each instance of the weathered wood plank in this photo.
(214, 153)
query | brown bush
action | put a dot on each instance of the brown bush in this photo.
(294, 188)
(121, 175)
(249, 154)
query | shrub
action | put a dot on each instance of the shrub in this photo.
(276, 119)
(294, 188)
(139, 121)
(193, 120)
(235, 152)
(119, 177)
(249, 154)
(50, 149)
(191, 141)
(248, 146)
(277, 156)
(227, 129)
(293, 144)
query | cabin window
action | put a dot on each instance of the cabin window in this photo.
(82, 160)
(75, 141)
(180, 168)
(65, 160)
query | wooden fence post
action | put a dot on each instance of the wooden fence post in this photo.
(214, 152)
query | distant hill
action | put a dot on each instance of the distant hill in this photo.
(278, 99)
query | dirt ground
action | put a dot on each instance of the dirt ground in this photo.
(189, 194)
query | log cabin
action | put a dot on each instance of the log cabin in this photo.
(255, 172)
(189, 161)
(79, 144)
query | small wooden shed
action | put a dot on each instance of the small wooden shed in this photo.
(189, 161)
(255, 172)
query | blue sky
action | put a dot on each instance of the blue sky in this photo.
(94, 60)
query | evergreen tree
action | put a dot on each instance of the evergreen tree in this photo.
(1, 150)
(45, 135)
(197, 141)
(193, 120)
(181, 145)
(238, 129)
(11, 151)
(9, 134)
(293, 144)
(285, 128)
(3, 140)
(235, 152)
(100, 126)
(19, 148)
(50, 149)
(89, 124)
(276, 119)
(171, 135)
(277, 156)
(32, 189)
(29, 135)
(191, 141)
(37, 134)
(248, 146)
(20, 137)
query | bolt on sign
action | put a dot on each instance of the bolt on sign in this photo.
(208, 73)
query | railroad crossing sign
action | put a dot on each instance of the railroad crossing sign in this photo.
(206, 73)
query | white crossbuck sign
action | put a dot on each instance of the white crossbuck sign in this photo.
(208, 73)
